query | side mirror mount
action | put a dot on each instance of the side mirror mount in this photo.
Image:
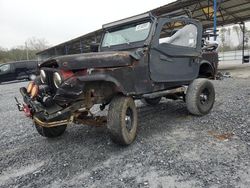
(94, 47)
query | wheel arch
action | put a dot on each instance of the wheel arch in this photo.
(104, 78)
(206, 70)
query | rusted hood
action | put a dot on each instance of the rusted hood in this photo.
(90, 60)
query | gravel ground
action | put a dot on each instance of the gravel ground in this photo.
(235, 68)
(173, 148)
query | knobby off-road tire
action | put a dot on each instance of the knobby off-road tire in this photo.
(151, 102)
(51, 132)
(122, 120)
(200, 97)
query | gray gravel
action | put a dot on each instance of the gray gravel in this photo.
(173, 148)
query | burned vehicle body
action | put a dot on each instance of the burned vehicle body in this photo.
(142, 57)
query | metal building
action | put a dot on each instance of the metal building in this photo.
(211, 13)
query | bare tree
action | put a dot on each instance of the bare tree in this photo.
(229, 36)
(36, 44)
(247, 37)
(24, 52)
(222, 33)
(237, 31)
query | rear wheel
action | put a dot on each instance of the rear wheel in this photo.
(200, 97)
(51, 132)
(122, 120)
(152, 102)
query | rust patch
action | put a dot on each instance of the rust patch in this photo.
(221, 137)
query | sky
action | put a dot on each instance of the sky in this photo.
(57, 21)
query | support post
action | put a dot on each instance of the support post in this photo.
(66, 49)
(243, 42)
(27, 51)
(55, 52)
(81, 50)
(215, 19)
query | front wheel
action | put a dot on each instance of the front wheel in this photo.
(51, 132)
(122, 120)
(200, 97)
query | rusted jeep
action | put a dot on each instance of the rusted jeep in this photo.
(139, 58)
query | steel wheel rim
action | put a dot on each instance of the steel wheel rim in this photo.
(129, 119)
(204, 96)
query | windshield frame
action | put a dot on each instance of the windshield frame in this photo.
(131, 44)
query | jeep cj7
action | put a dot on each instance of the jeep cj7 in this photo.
(142, 57)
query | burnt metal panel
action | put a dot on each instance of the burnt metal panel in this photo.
(171, 63)
(91, 60)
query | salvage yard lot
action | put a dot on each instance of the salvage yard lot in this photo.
(172, 148)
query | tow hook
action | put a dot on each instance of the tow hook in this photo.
(19, 105)
(23, 107)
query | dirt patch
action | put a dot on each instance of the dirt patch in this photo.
(221, 137)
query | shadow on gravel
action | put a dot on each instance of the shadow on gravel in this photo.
(162, 117)
(152, 120)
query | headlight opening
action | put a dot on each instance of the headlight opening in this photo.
(43, 76)
(57, 79)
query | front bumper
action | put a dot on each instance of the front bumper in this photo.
(43, 116)
(28, 101)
